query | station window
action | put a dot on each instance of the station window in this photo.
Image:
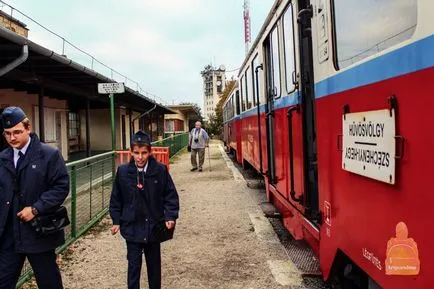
(364, 28)
(74, 124)
(170, 125)
(288, 36)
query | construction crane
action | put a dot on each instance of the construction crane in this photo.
(247, 33)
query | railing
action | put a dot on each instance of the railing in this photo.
(159, 153)
(90, 188)
(174, 143)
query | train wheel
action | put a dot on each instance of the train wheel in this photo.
(347, 275)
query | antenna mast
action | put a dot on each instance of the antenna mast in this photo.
(247, 35)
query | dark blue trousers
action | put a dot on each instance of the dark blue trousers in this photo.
(44, 266)
(152, 253)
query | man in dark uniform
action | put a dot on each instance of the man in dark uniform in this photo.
(143, 195)
(3, 143)
(33, 180)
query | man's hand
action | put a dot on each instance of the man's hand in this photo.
(115, 229)
(26, 214)
(170, 225)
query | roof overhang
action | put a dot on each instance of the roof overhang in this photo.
(184, 108)
(61, 77)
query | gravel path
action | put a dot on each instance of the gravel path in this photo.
(219, 240)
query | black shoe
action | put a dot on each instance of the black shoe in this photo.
(200, 169)
(193, 169)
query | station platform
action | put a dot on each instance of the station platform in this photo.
(223, 238)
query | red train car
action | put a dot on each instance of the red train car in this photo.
(332, 113)
(232, 124)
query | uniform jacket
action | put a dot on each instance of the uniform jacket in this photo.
(126, 209)
(42, 182)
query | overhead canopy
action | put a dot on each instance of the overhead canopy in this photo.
(186, 109)
(61, 77)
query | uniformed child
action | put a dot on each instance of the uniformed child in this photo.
(143, 194)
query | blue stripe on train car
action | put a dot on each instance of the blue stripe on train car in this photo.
(413, 57)
(408, 59)
(284, 101)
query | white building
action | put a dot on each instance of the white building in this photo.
(214, 82)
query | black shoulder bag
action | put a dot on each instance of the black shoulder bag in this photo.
(45, 224)
(48, 224)
(160, 232)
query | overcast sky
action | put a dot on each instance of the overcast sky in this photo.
(163, 45)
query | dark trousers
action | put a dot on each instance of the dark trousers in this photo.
(152, 253)
(44, 266)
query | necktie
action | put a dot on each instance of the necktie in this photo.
(20, 159)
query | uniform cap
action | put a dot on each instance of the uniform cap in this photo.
(141, 138)
(12, 116)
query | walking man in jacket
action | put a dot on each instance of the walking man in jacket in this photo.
(33, 181)
(198, 141)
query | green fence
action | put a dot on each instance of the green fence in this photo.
(175, 143)
(90, 188)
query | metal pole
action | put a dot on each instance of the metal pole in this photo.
(90, 192)
(73, 202)
(209, 158)
(88, 148)
(130, 117)
(112, 113)
(41, 105)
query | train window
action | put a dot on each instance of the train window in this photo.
(232, 106)
(364, 28)
(228, 110)
(243, 98)
(249, 87)
(237, 101)
(276, 61)
(288, 36)
(257, 80)
(254, 65)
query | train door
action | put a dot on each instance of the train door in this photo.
(311, 202)
(284, 122)
(272, 72)
(237, 128)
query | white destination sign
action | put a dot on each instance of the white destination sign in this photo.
(369, 144)
(107, 88)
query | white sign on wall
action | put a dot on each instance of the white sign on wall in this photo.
(369, 144)
(107, 88)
